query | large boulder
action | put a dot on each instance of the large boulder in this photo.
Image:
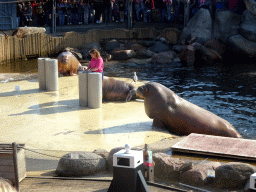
(164, 57)
(251, 6)
(159, 47)
(225, 25)
(86, 164)
(123, 54)
(172, 35)
(216, 46)
(248, 26)
(239, 44)
(169, 168)
(111, 45)
(200, 26)
(89, 46)
(198, 174)
(233, 175)
(199, 55)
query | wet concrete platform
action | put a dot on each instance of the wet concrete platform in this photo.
(226, 147)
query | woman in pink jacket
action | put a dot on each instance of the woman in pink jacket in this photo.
(96, 64)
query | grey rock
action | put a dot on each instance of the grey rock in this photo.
(251, 6)
(87, 164)
(169, 168)
(225, 25)
(198, 174)
(200, 26)
(123, 54)
(239, 44)
(159, 47)
(248, 26)
(233, 175)
(89, 46)
(111, 45)
(147, 43)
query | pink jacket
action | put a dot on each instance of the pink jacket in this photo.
(97, 63)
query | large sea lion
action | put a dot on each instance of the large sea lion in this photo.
(180, 116)
(68, 63)
(117, 90)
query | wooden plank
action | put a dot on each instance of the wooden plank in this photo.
(209, 145)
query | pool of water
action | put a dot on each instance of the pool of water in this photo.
(228, 91)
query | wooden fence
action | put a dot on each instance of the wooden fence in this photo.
(41, 44)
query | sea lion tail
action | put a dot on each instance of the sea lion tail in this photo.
(130, 94)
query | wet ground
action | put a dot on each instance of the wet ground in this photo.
(54, 120)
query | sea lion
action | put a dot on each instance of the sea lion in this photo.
(116, 90)
(68, 63)
(179, 116)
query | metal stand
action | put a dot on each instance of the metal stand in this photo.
(127, 184)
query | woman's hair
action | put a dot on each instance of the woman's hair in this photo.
(6, 186)
(95, 51)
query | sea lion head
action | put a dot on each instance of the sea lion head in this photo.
(142, 91)
(64, 58)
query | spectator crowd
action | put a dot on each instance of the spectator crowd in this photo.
(76, 12)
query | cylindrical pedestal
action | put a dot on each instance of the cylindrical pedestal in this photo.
(41, 73)
(83, 88)
(94, 90)
(51, 70)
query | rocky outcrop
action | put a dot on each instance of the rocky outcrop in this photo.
(199, 26)
(197, 176)
(225, 25)
(89, 46)
(169, 168)
(251, 6)
(233, 175)
(86, 163)
(241, 45)
(248, 26)
(159, 47)
(111, 45)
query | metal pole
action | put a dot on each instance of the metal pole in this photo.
(186, 12)
(53, 28)
(15, 164)
(129, 14)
